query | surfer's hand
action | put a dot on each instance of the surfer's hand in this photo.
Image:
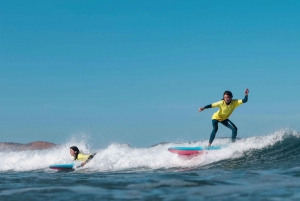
(201, 109)
(246, 92)
(83, 164)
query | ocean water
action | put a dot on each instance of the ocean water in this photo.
(254, 168)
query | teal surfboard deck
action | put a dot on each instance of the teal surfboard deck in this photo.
(62, 166)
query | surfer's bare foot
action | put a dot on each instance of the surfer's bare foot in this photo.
(209, 144)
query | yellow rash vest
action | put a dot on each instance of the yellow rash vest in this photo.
(225, 110)
(83, 157)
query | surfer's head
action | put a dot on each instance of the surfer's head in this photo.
(74, 151)
(227, 96)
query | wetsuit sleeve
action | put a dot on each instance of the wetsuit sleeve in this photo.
(208, 106)
(90, 157)
(245, 99)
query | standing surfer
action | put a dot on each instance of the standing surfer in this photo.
(226, 107)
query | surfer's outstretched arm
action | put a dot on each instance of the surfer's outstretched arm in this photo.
(246, 96)
(203, 108)
(246, 92)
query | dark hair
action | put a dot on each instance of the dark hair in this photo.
(227, 93)
(74, 148)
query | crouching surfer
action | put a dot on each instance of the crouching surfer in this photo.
(226, 107)
(85, 158)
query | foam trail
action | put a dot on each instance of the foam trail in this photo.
(120, 157)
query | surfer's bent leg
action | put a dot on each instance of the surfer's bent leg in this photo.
(232, 127)
(214, 131)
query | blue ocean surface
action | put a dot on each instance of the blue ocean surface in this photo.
(254, 168)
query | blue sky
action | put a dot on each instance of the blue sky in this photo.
(137, 71)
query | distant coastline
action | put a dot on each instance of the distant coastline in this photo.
(36, 145)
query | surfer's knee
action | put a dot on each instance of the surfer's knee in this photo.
(215, 129)
(234, 129)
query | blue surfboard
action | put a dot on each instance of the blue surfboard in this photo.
(192, 150)
(62, 166)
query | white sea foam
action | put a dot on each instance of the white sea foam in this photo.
(118, 157)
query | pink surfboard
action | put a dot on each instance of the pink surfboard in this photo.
(192, 150)
(186, 150)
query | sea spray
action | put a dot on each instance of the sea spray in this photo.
(122, 157)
